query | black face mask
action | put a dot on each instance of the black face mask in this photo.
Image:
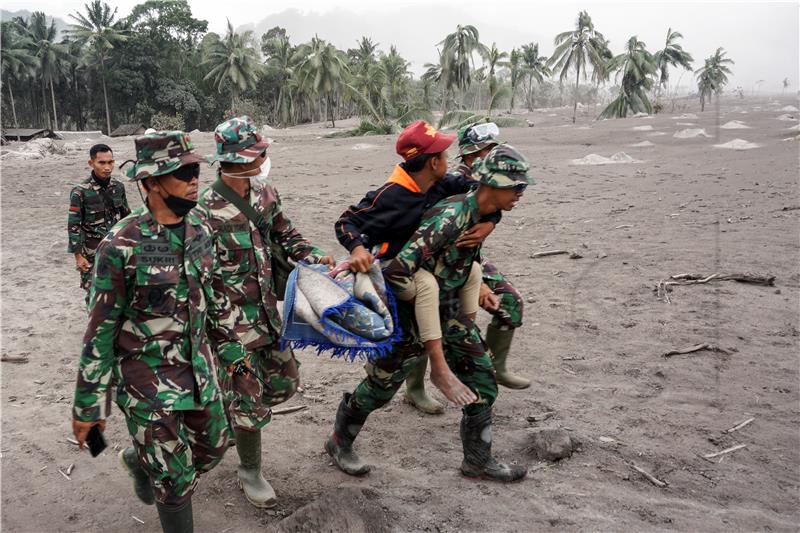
(179, 206)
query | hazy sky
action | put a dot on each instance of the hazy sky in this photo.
(762, 37)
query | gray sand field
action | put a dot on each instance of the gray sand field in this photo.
(593, 340)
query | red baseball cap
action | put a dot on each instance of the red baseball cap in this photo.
(422, 138)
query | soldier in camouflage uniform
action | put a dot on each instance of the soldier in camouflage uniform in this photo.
(157, 307)
(245, 252)
(95, 205)
(476, 141)
(503, 178)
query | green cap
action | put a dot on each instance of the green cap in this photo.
(238, 141)
(476, 136)
(503, 168)
(160, 153)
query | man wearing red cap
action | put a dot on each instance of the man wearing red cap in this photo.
(384, 221)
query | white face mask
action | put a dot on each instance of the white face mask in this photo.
(262, 176)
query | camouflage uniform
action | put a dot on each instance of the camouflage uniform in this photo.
(509, 315)
(156, 307)
(93, 211)
(246, 263)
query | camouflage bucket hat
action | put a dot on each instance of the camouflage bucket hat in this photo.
(503, 168)
(476, 136)
(161, 153)
(238, 141)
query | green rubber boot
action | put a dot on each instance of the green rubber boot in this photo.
(476, 438)
(416, 394)
(340, 444)
(141, 481)
(256, 489)
(499, 342)
(176, 518)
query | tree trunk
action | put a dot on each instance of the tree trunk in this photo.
(577, 80)
(530, 91)
(511, 104)
(105, 96)
(78, 99)
(53, 99)
(13, 109)
(330, 109)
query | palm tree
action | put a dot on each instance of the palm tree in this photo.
(279, 64)
(713, 76)
(672, 55)
(636, 65)
(321, 69)
(233, 62)
(785, 85)
(98, 30)
(515, 70)
(431, 78)
(14, 60)
(535, 66)
(40, 40)
(393, 70)
(578, 49)
(493, 58)
(456, 59)
(75, 61)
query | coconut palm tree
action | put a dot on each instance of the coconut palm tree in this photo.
(233, 62)
(15, 60)
(578, 49)
(535, 66)
(393, 69)
(493, 58)
(713, 76)
(321, 69)
(515, 71)
(97, 29)
(456, 58)
(637, 66)
(279, 64)
(40, 39)
(672, 55)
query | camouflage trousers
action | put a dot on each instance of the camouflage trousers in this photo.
(249, 398)
(464, 350)
(174, 447)
(509, 314)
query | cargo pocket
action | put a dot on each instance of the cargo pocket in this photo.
(236, 256)
(156, 294)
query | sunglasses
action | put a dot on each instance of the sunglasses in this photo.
(520, 188)
(187, 173)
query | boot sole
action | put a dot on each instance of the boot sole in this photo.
(514, 387)
(124, 464)
(434, 411)
(261, 505)
(358, 473)
(483, 477)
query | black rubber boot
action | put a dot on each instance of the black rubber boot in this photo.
(340, 444)
(176, 518)
(256, 489)
(141, 481)
(476, 437)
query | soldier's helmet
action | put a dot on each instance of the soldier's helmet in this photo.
(476, 136)
(238, 141)
(503, 168)
(160, 153)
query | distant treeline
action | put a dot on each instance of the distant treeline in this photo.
(160, 66)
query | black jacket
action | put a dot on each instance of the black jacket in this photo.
(389, 216)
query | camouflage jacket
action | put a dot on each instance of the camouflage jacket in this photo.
(93, 211)
(246, 260)
(432, 247)
(155, 304)
(465, 171)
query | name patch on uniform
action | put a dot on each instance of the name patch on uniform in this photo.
(201, 245)
(234, 227)
(156, 253)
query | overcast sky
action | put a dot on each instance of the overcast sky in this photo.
(762, 37)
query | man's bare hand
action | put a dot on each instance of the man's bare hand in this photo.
(475, 235)
(81, 263)
(81, 430)
(360, 259)
(328, 260)
(487, 299)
